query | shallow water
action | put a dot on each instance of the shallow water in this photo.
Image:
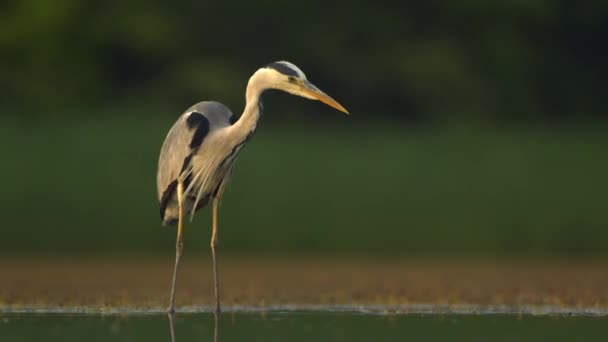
(300, 326)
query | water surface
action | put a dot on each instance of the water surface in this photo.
(300, 326)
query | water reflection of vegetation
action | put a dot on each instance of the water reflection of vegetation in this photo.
(216, 330)
(296, 327)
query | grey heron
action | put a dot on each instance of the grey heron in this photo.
(198, 154)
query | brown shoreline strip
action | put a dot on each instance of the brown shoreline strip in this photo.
(258, 282)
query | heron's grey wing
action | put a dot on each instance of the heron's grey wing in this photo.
(185, 137)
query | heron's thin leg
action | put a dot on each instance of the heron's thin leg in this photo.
(214, 254)
(179, 245)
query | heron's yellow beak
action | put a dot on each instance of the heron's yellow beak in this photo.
(314, 92)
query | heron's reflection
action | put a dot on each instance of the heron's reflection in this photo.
(171, 325)
(216, 329)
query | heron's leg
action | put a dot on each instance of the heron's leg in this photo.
(214, 255)
(179, 245)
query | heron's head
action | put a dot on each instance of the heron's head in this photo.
(287, 77)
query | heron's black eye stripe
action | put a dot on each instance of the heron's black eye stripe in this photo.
(282, 68)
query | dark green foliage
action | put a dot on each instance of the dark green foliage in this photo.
(88, 186)
(424, 61)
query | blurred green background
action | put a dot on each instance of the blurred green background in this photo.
(476, 129)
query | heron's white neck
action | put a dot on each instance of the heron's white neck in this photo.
(260, 81)
(249, 119)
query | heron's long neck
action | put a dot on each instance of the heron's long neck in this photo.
(249, 119)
